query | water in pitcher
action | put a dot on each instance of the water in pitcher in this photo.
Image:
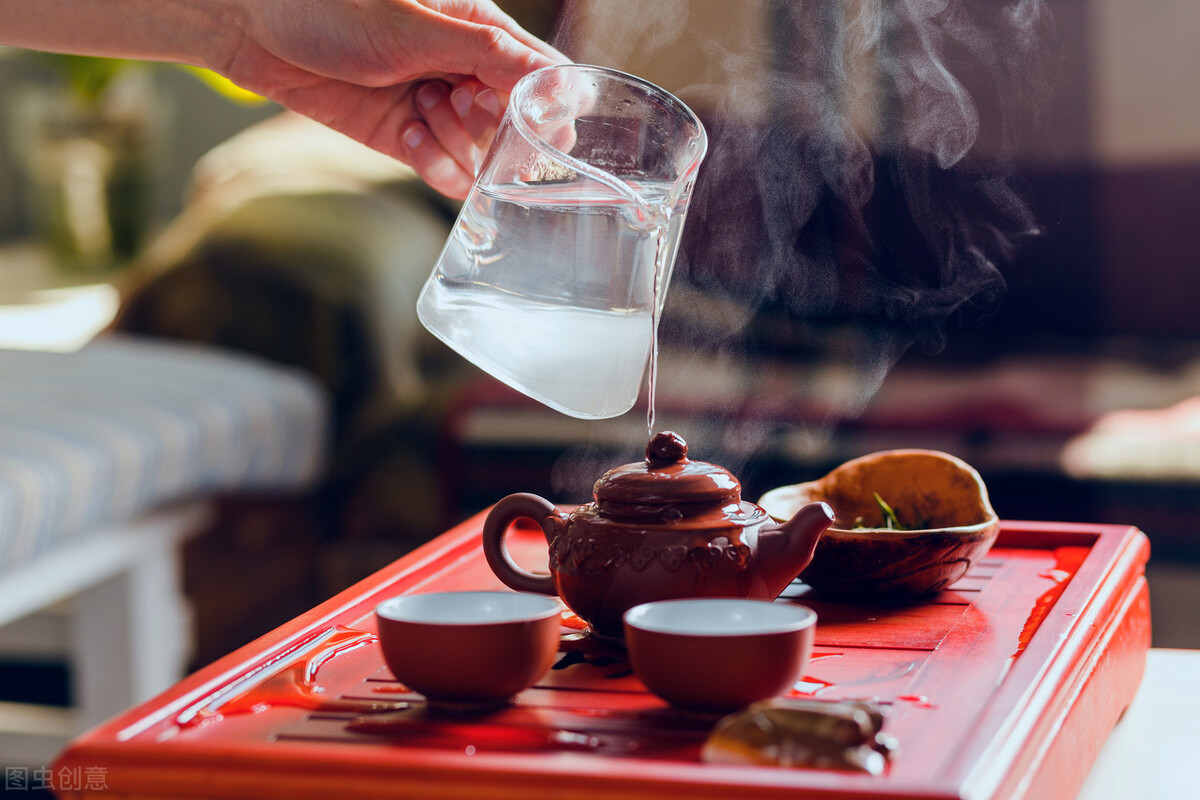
(575, 321)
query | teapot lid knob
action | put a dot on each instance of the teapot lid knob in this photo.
(666, 447)
(666, 480)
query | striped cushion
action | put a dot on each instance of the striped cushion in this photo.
(100, 435)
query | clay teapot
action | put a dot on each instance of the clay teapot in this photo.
(664, 528)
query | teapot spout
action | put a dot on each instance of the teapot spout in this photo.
(786, 548)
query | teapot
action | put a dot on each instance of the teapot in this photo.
(664, 528)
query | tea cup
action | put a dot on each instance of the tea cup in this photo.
(719, 654)
(469, 648)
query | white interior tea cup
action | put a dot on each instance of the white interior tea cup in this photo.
(719, 654)
(464, 648)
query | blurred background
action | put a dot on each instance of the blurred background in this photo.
(964, 225)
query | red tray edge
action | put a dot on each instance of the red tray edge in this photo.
(462, 538)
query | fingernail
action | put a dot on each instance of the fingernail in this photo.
(414, 136)
(429, 95)
(461, 100)
(489, 102)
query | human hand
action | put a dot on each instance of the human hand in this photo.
(425, 81)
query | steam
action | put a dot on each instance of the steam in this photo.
(857, 187)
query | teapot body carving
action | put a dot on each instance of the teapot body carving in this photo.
(665, 529)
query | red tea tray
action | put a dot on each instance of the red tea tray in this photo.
(1005, 686)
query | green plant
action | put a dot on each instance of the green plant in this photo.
(87, 77)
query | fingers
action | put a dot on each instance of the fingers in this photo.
(480, 108)
(456, 126)
(387, 119)
(542, 47)
(416, 124)
(488, 13)
(447, 127)
(502, 20)
(427, 84)
(488, 52)
(421, 150)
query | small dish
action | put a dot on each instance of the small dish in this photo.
(946, 524)
(718, 654)
(469, 648)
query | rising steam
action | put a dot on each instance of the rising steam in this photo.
(858, 169)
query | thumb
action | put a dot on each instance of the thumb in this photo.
(488, 52)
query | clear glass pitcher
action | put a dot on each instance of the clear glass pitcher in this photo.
(556, 270)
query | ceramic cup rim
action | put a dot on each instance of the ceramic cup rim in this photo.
(786, 617)
(436, 609)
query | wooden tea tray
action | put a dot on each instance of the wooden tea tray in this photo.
(1005, 686)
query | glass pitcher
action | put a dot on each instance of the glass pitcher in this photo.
(556, 270)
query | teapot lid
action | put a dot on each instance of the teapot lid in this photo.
(666, 478)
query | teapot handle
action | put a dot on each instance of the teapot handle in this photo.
(520, 506)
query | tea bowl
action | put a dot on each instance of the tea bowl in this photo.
(469, 648)
(945, 524)
(718, 654)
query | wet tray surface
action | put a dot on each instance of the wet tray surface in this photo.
(1006, 685)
